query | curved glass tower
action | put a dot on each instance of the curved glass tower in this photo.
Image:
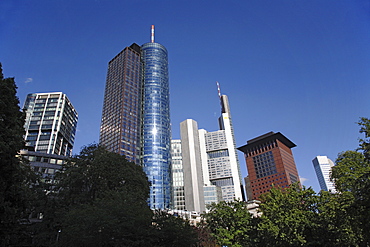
(156, 129)
(136, 114)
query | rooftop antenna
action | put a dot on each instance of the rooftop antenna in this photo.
(152, 34)
(219, 95)
(218, 89)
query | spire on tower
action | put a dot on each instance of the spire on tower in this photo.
(219, 95)
(152, 34)
(218, 89)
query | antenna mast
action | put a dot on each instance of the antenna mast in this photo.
(219, 95)
(218, 89)
(152, 34)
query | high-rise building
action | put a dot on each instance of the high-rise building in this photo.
(221, 164)
(270, 162)
(136, 114)
(120, 124)
(213, 154)
(50, 125)
(178, 197)
(323, 166)
(51, 122)
(192, 166)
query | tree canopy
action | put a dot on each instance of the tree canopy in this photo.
(18, 184)
(100, 199)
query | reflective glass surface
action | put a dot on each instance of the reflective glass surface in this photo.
(156, 136)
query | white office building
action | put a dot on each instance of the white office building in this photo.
(323, 166)
(51, 122)
(178, 194)
(192, 166)
(210, 161)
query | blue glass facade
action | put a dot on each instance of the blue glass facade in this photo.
(156, 129)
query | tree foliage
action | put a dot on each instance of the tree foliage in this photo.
(169, 230)
(19, 192)
(230, 223)
(286, 216)
(352, 174)
(95, 172)
(100, 200)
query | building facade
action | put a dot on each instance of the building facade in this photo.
(270, 162)
(178, 197)
(51, 122)
(50, 125)
(323, 166)
(120, 124)
(192, 166)
(220, 162)
(210, 162)
(44, 164)
(136, 114)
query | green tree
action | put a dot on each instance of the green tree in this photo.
(352, 174)
(169, 230)
(334, 221)
(298, 216)
(96, 171)
(230, 223)
(100, 200)
(17, 181)
(286, 216)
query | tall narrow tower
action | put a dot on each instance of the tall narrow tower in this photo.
(222, 160)
(226, 124)
(192, 166)
(136, 114)
(156, 128)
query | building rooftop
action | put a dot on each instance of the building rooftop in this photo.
(270, 136)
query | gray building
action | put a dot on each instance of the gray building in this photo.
(220, 160)
(192, 166)
(50, 125)
(211, 169)
(51, 122)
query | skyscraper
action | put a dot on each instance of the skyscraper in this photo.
(323, 166)
(50, 125)
(192, 166)
(136, 114)
(51, 122)
(216, 152)
(270, 163)
(120, 124)
(223, 161)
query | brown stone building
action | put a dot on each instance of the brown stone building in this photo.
(270, 163)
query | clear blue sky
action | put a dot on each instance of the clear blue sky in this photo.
(301, 68)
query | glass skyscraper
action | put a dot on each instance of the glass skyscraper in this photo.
(136, 114)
